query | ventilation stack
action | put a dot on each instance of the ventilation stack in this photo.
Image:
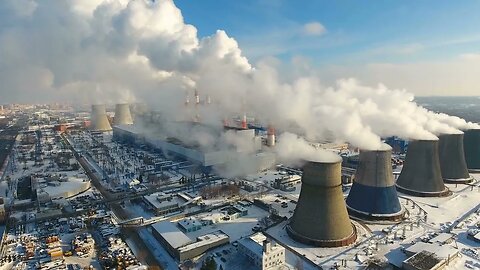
(321, 218)
(452, 159)
(373, 196)
(421, 175)
(122, 115)
(471, 141)
(99, 119)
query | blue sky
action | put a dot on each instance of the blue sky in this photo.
(356, 31)
(425, 47)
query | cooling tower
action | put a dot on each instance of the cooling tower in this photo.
(373, 195)
(122, 115)
(321, 218)
(452, 159)
(471, 141)
(99, 120)
(421, 175)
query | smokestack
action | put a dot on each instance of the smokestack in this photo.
(320, 217)
(270, 136)
(209, 100)
(244, 121)
(99, 119)
(421, 174)
(197, 97)
(373, 196)
(122, 115)
(452, 159)
(472, 149)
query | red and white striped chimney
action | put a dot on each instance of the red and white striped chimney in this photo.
(270, 136)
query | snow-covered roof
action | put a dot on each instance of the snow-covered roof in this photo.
(171, 234)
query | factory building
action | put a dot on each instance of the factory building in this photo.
(207, 158)
(471, 142)
(99, 119)
(320, 217)
(262, 252)
(180, 246)
(122, 115)
(373, 195)
(421, 174)
(452, 159)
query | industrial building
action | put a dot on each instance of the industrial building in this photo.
(320, 217)
(471, 142)
(180, 246)
(122, 115)
(99, 119)
(429, 256)
(373, 195)
(214, 157)
(421, 174)
(262, 252)
(452, 159)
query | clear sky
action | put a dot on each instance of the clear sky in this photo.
(428, 47)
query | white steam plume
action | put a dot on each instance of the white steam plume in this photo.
(124, 51)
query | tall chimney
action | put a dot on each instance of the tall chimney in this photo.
(471, 142)
(122, 115)
(452, 159)
(421, 175)
(373, 196)
(244, 121)
(197, 97)
(99, 119)
(320, 217)
(270, 136)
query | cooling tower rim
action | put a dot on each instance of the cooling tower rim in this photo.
(444, 193)
(474, 170)
(346, 241)
(458, 180)
(450, 134)
(384, 148)
(378, 219)
(312, 161)
(424, 140)
(399, 213)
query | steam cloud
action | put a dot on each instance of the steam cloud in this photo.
(123, 51)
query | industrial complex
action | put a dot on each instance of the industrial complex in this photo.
(116, 187)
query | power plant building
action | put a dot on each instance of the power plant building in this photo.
(257, 159)
(452, 159)
(373, 196)
(421, 174)
(320, 217)
(471, 142)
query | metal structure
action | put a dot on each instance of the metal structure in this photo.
(452, 159)
(373, 196)
(421, 175)
(99, 119)
(321, 218)
(122, 115)
(471, 141)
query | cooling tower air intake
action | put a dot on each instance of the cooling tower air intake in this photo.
(452, 159)
(471, 141)
(421, 174)
(122, 115)
(321, 218)
(373, 196)
(99, 119)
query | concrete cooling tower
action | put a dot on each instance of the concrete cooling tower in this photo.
(99, 119)
(421, 174)
(321, 218)
(373, 196)
(452, 159)
(122, 115)
(471, 143)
